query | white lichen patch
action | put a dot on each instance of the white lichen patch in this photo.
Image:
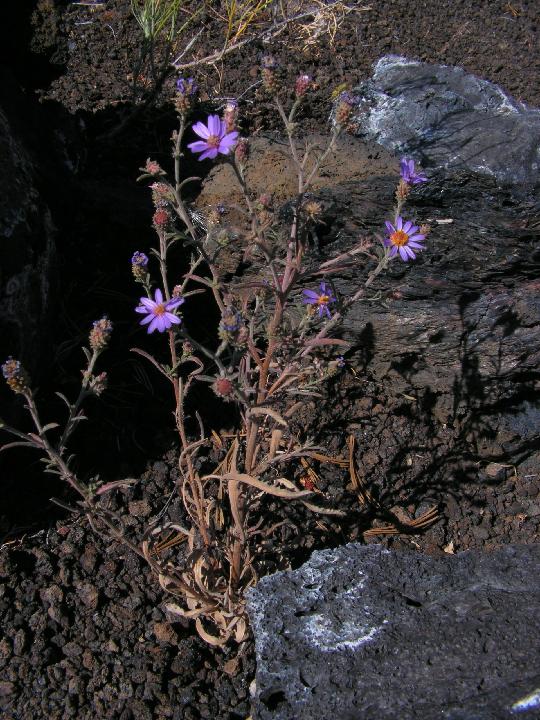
(530, 701)
(320, 632)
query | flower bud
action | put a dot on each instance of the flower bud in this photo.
(302, 85)
(223, 388)
(100, 334)
(241, 151)
(186, 92)
(153, 168)
(161, 218)
(139, 261)
(403, 190)
(230, 116)
(345, 105)
(269, 75)
(15, 376)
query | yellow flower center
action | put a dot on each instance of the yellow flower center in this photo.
(159, 309)
(399, 238)
(323, 299)
(213, 141)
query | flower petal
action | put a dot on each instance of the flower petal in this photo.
(198, 146)
(150, 304)
(210, 153)
(158, 296)
(146, 320)
(403, 252)
(141, 309)
(201, 130)
(174, 303)
(174, 319)
(399, 223)
(391, 229)
(417, 238)
(153, 325)
(408, 225)
(214, 125)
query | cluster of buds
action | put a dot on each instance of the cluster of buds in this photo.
(100, 334)
(186, 92)
(224, 388)
(15, 376)
(302, 85)
(162, 194)
(425, 229)
(139, 263)
(346, 103)
(161, 218)
(241, 151)
(96, 384)
(177, 292)
(230, 116)
(269, 75)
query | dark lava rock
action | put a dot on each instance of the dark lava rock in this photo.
(362, 632)
(449, 118)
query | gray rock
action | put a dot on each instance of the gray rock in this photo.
(448, 118)
(364, 633)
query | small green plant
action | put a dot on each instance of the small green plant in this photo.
(156, 17)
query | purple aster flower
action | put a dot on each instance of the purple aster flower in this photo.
(158, 312)
(409, 174)
(403, 238)
(215, 140)
(321, 299)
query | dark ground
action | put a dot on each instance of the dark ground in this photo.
(83, 634)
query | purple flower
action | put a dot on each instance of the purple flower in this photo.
(215, 138)
(158, 312)
(322, 299)
(139, 258)
(403, 238)
(409, 174)
(186, 87)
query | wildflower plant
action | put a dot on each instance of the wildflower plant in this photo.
(274, 345)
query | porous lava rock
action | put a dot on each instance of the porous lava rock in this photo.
(364, 632)
(449, 118)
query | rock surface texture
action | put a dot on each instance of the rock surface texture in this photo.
(452, 119)
(363, 632)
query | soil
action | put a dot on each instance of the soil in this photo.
(84, 629)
